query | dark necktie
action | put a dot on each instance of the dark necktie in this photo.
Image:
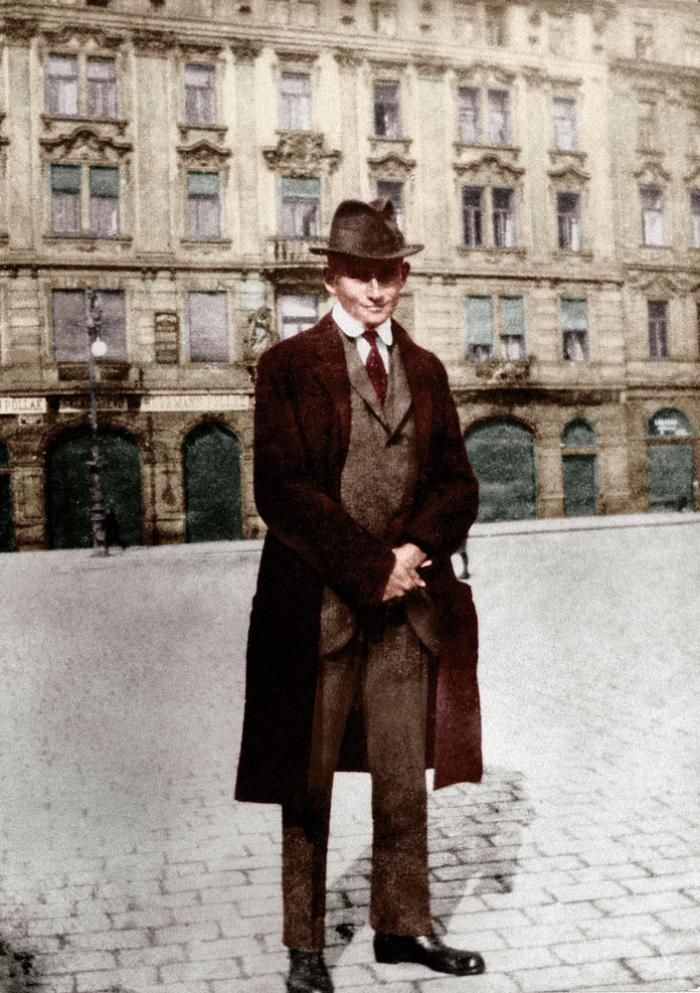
(375, 367)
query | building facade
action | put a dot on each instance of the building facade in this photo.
(173, 161)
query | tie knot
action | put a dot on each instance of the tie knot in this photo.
(371, 335)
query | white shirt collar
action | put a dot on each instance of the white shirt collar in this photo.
(355, 329)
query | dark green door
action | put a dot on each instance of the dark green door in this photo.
(212, 456)
(7, 540)
(68, 488)
(502, 454)
(579, 485)
(671, 474)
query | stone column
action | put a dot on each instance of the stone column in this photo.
(351, 165)
(246, 148)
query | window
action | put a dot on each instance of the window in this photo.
(499, 117)
(62, 96)
(471, 214)
(652, 215)
(295, 101)
(71, 340)
(392, 190)
(512, 328)
(104, 201)
(695, 218)
(643, 41)
(387, 120)
(564, 120)
(569, 221)
(299, 208)
(503, 218)
(657, 319)
(101, 87)
(200, 95)
(296, 312)
(61, 85)
(478, 318)
(203, 206)
(574, 327)
(65, 200)
(469, 115)
(207, 320)
(495, 24)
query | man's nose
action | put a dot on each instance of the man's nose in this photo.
(373, 287)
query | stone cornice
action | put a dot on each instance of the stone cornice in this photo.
(19, 30)
(203, 153)
(245, 50)
(81, 33)
(153, 42)
(649, 71)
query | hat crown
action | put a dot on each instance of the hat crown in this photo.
(367, 230)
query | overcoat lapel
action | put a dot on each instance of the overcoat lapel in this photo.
(332, 372)
(420, 388)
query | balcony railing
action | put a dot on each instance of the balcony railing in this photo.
(293, 251)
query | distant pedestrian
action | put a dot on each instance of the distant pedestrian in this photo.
(112, 533)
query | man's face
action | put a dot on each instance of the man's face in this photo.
(368, 290)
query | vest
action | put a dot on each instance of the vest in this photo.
(377, 486)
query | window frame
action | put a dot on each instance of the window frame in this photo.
(472, 217)
(571, 123)
(279, 306)
(507, 115)
(194, 200)
(85, 197)
(213, 116)
(566, 332)
(291, 106)
(226, 338)
(397, 131)
(657, 327)
(82, 81)
(299, 199)
(117, 351)
(649, 212)
(505, 218)
(564, 222)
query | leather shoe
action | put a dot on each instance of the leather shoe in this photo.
(428, 950)
(308, 972)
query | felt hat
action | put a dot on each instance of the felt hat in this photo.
(366, 231)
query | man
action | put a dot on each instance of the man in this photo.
(362, 644)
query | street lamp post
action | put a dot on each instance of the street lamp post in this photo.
(97, 349)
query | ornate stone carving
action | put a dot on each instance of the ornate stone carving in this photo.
(347, 58)
(86, 144)
(505, 372)
(569, 174)
(652, 172)
(82, 33)
(200, 49)
(483, 70)
(19, 29)
(431, 70)
(150, 42)
(245, 50)
(489, 168)
(302, 153)
(296, 56)
(391, 166)
(203, 154)
(259, 333)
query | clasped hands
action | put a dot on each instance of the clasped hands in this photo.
(405, 577)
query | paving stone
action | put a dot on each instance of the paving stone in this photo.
(600, 950)
(564, 979)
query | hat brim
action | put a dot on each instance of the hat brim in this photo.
(400, 253)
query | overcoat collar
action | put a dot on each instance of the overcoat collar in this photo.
(332, 373)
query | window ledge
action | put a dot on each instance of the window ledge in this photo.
(121, 123)
(574, 253)
(563, 153)
(492, 251)
(202, 129)
(87, 242)
(199, 242)
(482, 147)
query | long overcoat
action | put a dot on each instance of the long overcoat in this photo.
(302, 432)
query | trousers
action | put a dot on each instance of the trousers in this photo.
(387, 667)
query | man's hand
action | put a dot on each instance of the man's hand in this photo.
(405, 576)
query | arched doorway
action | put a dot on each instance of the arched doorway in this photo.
(578, 442)
(7, 537)
(502, 454)
(212, 470)
(671, 465)
(68, 488)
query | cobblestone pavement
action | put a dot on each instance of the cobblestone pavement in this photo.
(125, 866)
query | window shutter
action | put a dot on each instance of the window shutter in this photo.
(479, 320)
(202, 184)
(512, 316)
(104, 182)
(208, 327)
(573, 315)
(308, 190)
(65, 179)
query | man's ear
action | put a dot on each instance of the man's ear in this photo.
(405, 269)
(329, 277)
